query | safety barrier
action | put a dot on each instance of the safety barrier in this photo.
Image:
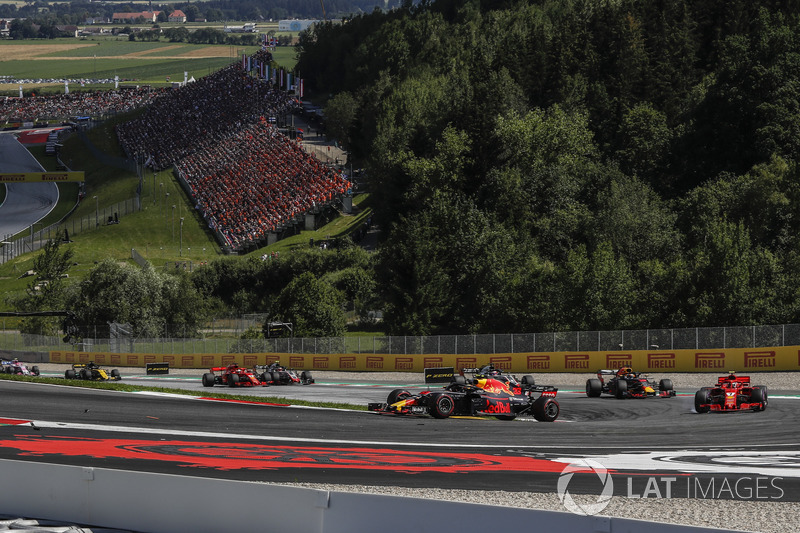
(150, 502)
(786, 358)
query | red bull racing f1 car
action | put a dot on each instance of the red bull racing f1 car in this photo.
(625, 383)
(484, 391)
(731, 393)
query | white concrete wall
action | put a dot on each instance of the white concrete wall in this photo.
(168, 503)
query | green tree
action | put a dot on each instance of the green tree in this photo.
(313, 307)
(47, 289)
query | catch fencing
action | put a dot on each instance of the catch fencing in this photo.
(223, 337)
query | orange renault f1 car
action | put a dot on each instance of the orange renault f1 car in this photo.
(484, 391)
(731, 393)
(625, 383)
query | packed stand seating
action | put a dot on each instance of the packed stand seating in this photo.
(82, 103)
(254, 181)
(200, 113)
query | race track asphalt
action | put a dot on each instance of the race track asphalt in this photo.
(25, 203)
(633, 439)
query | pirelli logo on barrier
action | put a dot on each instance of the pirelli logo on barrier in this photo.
(617, 360)
(709, 361)
(187, 360)
(433, 362)
(501, 363)
(661, 360)
(320, 362)
(404, 363)
(576, 361)
(755, 360)
(347, 363)
(296, 361)
(374, 363)
(228, 360)
(250, 361)
(466, 362)
(538, 362)
(207, 360)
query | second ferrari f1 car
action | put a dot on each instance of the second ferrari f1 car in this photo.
(486, 392)
(232, 375)
(625, 383)
(731, 393)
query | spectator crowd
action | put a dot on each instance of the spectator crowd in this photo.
(81, 103)
(256, 181)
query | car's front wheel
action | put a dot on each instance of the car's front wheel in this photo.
(442, 406)
(208, 379)
(701, 401)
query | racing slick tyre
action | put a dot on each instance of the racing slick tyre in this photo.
(441, 406)
(397, 395)
(208, 379)
(593, 388)
(35, 370)
(7, 370)
(665, 385)
(70, 374)
(701, 401)
(505, 417)
(528, 381)
(622, 389)
(276, 378)
(86, 373)
(115, 374)
(233, 380)
(545, 409)
(306, 378)
(759, 395)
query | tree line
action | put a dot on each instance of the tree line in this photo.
(574, 164)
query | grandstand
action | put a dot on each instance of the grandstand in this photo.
(247, 179)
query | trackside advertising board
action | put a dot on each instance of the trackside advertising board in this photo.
(39, 177)
(786, 358)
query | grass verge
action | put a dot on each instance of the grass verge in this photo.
(108, 385)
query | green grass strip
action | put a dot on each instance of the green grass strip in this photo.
(117, 386)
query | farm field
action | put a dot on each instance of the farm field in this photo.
(143, 62)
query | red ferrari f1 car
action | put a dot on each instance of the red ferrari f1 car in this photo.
(625, 383)
(232, 375)
(731, 393)
(484, 391)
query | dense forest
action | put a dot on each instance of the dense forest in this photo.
(78, 11)
(574, 164)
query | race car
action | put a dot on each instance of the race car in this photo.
(232, 375)
(91, 372)
(484, 391)
(277, 374)
(13, 366)
(731, 393)
(625, 383)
